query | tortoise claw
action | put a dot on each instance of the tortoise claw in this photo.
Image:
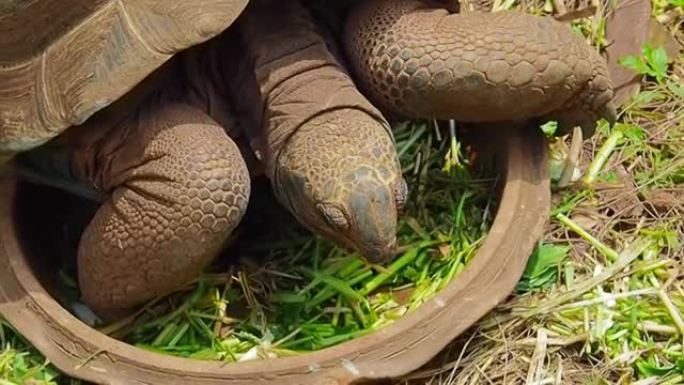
(609, 113)
(588, 128)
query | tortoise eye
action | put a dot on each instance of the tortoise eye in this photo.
(401, 195)
(334, 216)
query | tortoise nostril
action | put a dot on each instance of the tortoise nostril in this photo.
(381, 254)
(374, 255)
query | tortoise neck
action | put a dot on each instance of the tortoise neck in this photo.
(289, 76)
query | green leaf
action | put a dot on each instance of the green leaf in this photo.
(609, 177)
(680, 365)
(635, 63)
(632, 132)
(646, 97)
(288, 297)
(648, 369)
(338, 285)
(658, 61)
(652, 62)
(542, 267)
(549, 128)
(676, 88)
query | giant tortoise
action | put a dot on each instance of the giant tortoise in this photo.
(171, 166)
(172, 169)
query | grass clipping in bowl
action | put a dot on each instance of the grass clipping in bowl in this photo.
(312, 295)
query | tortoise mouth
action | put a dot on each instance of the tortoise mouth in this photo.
(379, 254)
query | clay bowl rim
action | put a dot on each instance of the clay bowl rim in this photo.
(405, 345)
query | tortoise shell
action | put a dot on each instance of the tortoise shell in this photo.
(63, 60)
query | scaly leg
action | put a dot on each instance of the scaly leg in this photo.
(416, 59)
(176, 186)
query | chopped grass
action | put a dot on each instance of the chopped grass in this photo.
(20, 364)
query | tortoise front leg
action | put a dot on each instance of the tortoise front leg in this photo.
(414, 59)
(176, 187)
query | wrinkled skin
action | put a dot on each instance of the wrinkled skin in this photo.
(172, 185)
(352, 194)
(416, 59)
(174, 200)
(329, 153)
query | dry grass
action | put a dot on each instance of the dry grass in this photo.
(614, 315)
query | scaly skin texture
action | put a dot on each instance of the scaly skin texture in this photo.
(328, 152)
(351, 195)
(175, 187)
(418, 60)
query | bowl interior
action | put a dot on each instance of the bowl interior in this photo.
(49, 223)
(45, 233)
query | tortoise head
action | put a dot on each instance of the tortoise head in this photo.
(339, 175)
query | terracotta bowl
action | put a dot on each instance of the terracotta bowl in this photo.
(395, 350)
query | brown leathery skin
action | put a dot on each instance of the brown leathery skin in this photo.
(328, 152)
(419, 60)
(176, 186)
(357, 187)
